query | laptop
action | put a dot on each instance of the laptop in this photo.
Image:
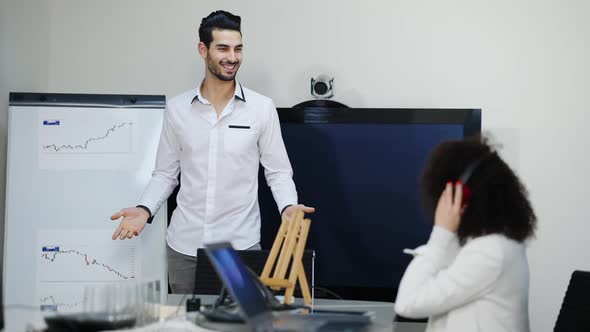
(250, 296)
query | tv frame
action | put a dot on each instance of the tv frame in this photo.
(469, 118)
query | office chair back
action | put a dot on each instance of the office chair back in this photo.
(575, 309)
(207, 282)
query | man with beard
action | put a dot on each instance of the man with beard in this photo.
(215, 137)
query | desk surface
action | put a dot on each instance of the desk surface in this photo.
(19, 319)
(384, 313)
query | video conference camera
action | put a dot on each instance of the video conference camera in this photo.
(322, 86)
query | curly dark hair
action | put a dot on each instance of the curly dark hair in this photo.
(499, 201)
(221, 20)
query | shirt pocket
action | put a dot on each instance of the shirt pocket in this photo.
(240, 139)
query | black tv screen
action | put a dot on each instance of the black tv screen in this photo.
(360, 169)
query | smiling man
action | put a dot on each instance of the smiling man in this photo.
(215, 137)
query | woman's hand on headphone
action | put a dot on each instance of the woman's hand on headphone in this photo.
(449, 208)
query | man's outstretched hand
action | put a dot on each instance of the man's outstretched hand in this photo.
(134, 220)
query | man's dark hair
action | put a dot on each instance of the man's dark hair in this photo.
(220, 20)
(499, 202)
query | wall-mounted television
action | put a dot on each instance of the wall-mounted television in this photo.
(360, 169)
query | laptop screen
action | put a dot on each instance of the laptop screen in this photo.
(237, 278)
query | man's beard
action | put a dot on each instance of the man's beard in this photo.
(215, 69)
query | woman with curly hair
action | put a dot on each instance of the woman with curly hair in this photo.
(473, 274)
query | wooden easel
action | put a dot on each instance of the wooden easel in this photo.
(290, 241)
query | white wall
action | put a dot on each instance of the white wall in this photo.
(525, 63)
(24, 57)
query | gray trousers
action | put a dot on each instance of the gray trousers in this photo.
(182, 269)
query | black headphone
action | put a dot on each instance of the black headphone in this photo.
(466, 175)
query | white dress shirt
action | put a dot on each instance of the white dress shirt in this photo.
(218, 159)
(482, 286)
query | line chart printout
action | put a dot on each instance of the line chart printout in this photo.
(69, 261)
(86, 138)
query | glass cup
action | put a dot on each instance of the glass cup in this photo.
(149, 302)
(114, 305)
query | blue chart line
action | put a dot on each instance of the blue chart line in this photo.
(50, 254)
(84, 146)
(49, 303)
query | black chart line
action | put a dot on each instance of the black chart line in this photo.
(85, 145)
(87, 261)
